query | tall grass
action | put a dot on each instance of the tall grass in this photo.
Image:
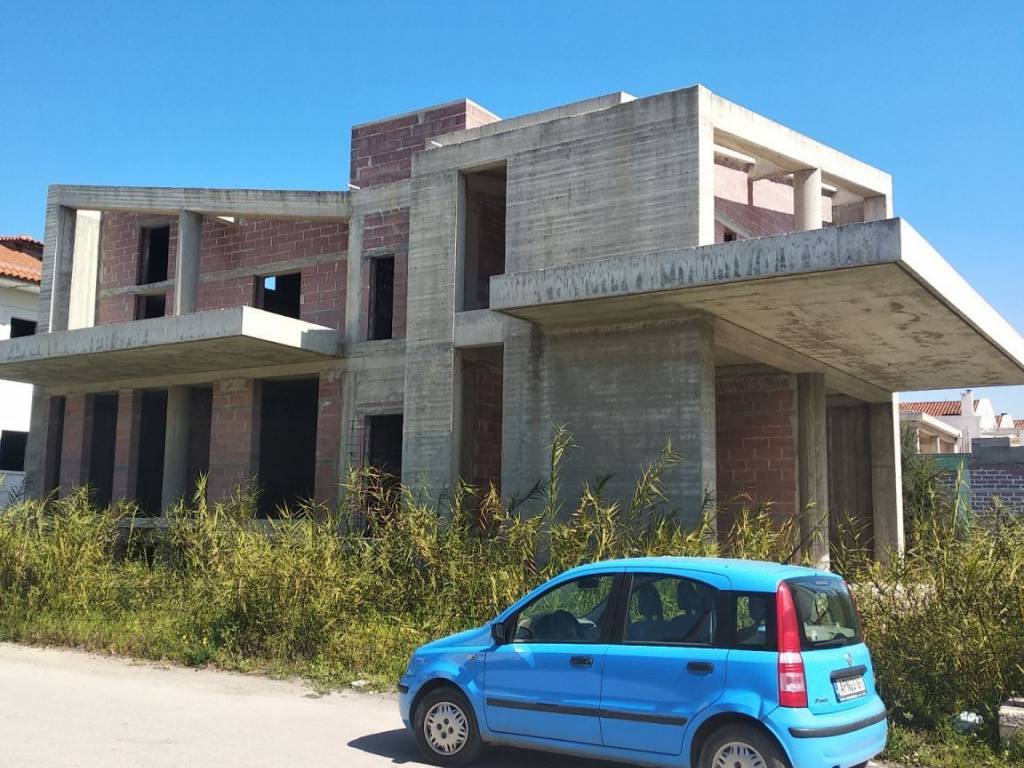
(338, 594)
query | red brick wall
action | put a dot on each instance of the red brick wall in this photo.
(386, 234)
(74, 458)
(382, 151)
(234, 436)
(756, 444)
(247, 247)
(328, 438)
(490, 248)
(119, 264)
(487, 429)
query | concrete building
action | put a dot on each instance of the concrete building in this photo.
(969, 417)
(673, 266)
(20, 273)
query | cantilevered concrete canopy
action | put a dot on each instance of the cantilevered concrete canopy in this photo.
(871, 305)
(215, 340)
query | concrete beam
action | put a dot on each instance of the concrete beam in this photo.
(812, 467)
(277, 204)
(886, 479)
(186, 279)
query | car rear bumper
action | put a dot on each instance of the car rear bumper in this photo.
(823, 741)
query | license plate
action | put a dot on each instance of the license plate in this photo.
(850, 688)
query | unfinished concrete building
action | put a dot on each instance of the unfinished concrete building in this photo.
(641, 269)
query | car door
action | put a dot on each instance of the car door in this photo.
(546, 682)
(662, 668)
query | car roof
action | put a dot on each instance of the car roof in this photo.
(751, 575)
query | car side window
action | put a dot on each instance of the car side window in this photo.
(670, 610)
(570, 613)
(752, 621)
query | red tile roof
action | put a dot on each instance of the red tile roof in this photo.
(14, 262)
(933, 408)
(1018, 423)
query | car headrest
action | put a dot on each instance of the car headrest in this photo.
(649, 602)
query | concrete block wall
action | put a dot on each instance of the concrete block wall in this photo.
(756, 445)
(382, 151)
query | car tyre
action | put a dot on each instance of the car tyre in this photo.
(445, 727)
(741, 745)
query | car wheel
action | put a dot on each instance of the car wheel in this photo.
(445, 727)
(739, 746)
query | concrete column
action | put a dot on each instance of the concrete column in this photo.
(878, 207)
(175, 475)
(234, 436)
(886, 479)
(59, 256)
(126, 448)
(807, 199)
(74, 457)
(39, 443)
(186, 280)
(328, 438)
(812, 466)
(354, 277)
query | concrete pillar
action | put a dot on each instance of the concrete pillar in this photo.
(186, 280)
(886, 479)
(877, 207)
(812, 466)
(807, 199)
(126, 448)
(39, 446)
(175, 474)
(59, 256)
(74, 457)
(234, 436)
(354, 280)
(328, 438)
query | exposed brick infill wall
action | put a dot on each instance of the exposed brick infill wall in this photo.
(230, 258)
(386, 234)
(74, 458)
(997, 471)
(234, 436)
(484, 381)
(126, 448)
(328, 438)
(382, 151)
(756, 444)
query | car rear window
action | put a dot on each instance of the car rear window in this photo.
(825, 609)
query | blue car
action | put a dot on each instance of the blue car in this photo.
(702, 662)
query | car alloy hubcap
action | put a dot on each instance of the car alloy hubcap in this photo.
(446, 728)
(736, 754)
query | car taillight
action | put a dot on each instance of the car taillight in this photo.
(792, 680)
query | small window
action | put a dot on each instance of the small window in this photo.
(154, 253)
(826, 613)
(12, 450)
(147, 307)
(754, 624)
(670, 610)
(728, 236)
(280, 294)
(570, 613)
(382, 297)
(21, 327)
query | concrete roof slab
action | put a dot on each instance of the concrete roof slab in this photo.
(210, 341)
(873, 301)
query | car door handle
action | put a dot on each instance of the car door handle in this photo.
(700, 667)
(582, 661)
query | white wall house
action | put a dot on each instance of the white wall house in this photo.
(971, 417)
(20, 268)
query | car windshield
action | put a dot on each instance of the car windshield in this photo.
(826, 613)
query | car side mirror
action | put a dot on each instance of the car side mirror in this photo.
(499, 633)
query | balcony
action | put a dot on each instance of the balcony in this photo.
(211, 341)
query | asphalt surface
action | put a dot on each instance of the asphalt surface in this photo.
(66, 709)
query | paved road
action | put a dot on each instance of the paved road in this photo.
(64, 709)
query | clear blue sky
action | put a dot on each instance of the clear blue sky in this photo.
(263, 94)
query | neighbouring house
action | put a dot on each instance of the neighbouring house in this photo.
(20, 275)
(641, 269)
(969, 417)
